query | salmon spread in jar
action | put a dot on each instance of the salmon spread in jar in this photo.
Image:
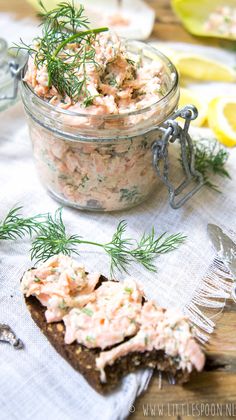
(92, 141)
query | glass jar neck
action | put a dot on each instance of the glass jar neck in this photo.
(75, 125)
(3, 49)
(4, 67)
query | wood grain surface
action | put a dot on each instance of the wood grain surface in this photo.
(211, 394)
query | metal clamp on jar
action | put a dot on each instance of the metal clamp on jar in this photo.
(111, 162)
(172, 132)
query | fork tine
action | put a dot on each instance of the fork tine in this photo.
(160, 379)
(171, 379)
(234, 292)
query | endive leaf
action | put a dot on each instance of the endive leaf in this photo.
(194, 13)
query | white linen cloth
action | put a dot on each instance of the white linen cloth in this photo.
(36, 383)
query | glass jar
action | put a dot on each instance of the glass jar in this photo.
(102, 162)
(8, 75)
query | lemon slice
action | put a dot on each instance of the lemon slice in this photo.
(221, 118)
(187, 97)
(196, 66)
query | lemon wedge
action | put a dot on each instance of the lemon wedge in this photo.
(187, 97)
(222, 119)
(196, 66)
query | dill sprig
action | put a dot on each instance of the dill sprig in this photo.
(15, 226)
(149, 247)
(65, 48)
(210, 159)
(52, 239)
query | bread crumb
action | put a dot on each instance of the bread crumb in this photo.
(60, 327)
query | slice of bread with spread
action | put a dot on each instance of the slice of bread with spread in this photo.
(106, 329)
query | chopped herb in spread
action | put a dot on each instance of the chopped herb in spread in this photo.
(87, 311)
(128, 290)
(62, 305)
(89, 338)
(129, 194)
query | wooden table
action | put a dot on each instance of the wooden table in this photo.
(217, 385)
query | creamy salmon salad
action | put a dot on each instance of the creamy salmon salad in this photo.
(104, 314)
(222, 21)
(59, 284)
(115, 82)
(105, 177)
(88, 172)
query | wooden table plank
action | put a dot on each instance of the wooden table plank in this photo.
(18, 8)
(218, 383)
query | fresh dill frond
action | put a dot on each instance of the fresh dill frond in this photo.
(123, 251)
(64, 16)
(15, 226)
(119, 249)
(65, 47)
(52, 238)
(150, 246)
(210, 159)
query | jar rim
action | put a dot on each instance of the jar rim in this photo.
(164, 99)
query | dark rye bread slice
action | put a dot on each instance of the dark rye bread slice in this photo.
(83, 359)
